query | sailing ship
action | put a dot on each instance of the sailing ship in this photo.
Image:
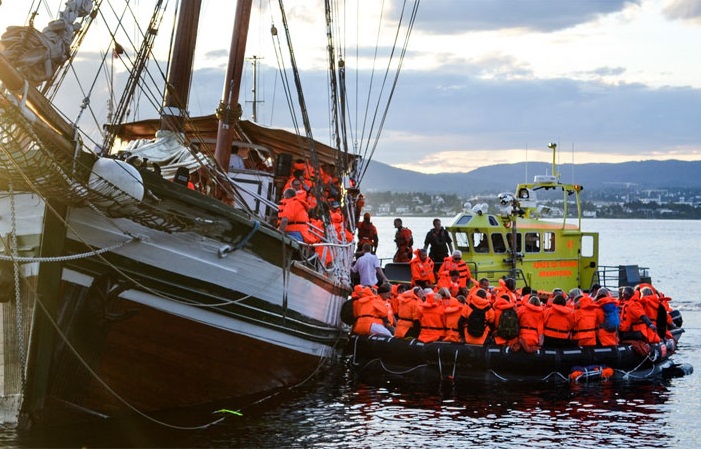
(127, 293)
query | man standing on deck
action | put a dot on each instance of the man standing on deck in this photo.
(440, 242)
(368, 267)
(404, 240)
(367, 233)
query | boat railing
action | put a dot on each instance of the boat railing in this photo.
(615, 276)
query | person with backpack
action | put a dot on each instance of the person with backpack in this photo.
(530, 325)
(478, 317)
(505, 320)
(608, 318)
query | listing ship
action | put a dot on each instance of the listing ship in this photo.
(127, 293)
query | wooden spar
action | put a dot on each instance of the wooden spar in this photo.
(180, 72)
(39, 105)
(232, 83)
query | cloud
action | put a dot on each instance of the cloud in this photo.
(455, 16)
(689, 10)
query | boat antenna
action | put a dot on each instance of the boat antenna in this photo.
(553, 146)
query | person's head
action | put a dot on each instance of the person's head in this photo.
(289, 193)
(437, 223)
(626, 293)
(558, 291)
(385, 290)
(484, 283)
(533, 299)
(457, 255)
(367, 248)
(422, 254)
(454, 275)
(594, 288)
(560, 300)
(296, 184)
(401, 288)
(646, 291)
(602, 293)
(526, 290)
(366, 216)
(419, 292)
(397, 223)
(444, 293)
(574, 293)
(510, 283)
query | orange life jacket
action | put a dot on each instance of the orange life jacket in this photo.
(432, 320)
(558, 322)
(585, 322)
(407, 312)
(462, 268)
(422, 270)
(452, 310)
(531, 322)
(476, 302)
(368, 309)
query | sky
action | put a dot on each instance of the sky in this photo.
(483, 81)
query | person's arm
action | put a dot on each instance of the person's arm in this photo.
(283, 223)
(381, 274)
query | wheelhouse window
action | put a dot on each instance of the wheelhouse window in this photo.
(498, 243)
(532, 242)
(462, 221)
(549, 242)
(462, 241)
(509, 238)
(480, 242)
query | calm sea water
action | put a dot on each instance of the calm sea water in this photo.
(336, 410)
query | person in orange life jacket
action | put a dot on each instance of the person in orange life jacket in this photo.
(422, 269)
(657, 311)
(370, 313)
(367, 233)
(531, 318)
(586, 321)
(606, 337)
(501, 303)
(451, 281)
(455, 262)
(432, 319)
(294, 219)
(404, 240)
(384, 291)
(397, 289)
(407, 314)
(368, 267)
(342, 233)
(484, 285)
(635, 324)
(507, 287)
(440, 242)
(558, 324)
(452, 309)
(478, 300)
(594, 290)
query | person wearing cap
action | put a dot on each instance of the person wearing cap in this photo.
(455, 262)
(368, 267)
(440, 242)
(367, 233)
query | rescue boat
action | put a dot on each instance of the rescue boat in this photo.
(551, 251)
(383, 357)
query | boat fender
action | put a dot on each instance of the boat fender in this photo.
(117, 181)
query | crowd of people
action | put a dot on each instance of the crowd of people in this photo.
(517, 318)
(443, 303)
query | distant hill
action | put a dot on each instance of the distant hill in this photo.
(504, 177)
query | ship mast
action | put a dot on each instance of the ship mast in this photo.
(180, 72)
(229, 110)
